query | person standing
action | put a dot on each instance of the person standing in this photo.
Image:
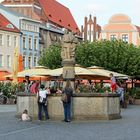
(42, 102)
(34, 87)
(120, 91)
(67, 94)
(113, 82)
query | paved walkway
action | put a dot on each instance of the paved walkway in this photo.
(127, 128)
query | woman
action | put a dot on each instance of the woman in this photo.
(42, 102)
(34, 87)
(68, 91)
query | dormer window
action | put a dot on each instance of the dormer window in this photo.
(50, 15)
(60, 20)
(10, 26)
(69, 25)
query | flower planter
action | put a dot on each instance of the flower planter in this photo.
(137, 102)
(85, 106)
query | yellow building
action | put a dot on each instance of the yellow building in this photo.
(9, 39)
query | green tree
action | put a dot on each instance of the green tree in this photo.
(51, 57)
(112, 55)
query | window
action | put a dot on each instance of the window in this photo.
(89, 32)
(30, 43)
(35, 61)
(10, 26)
(125, 37)
(34, 28)
(60, 38)
(8, 40)
(1, 60)
(29, 27)
(24, 61)
(1, 39)
(15, 41)
(35, 44)
(23, 26)
(113, 37)
(8, 61)
(97, 35)
(26, 26)
(24, 42)
(29, 62)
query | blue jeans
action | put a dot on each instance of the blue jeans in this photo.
(40, 106)
(67, 111)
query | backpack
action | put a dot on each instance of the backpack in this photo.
(64, 98)
(42, 100)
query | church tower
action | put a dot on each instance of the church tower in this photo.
(91, 30)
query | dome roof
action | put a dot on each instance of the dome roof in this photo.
(120, 18)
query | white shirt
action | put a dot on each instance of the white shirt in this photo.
(42, 94)
(113, 80)
(25, 117)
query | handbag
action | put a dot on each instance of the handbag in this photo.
(42, 100)
(64, 98)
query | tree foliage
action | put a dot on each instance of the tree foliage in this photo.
(112, 55)
(51, 57)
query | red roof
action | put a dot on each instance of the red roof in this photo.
(59, 14)
(6, 25)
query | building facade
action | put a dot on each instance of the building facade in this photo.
(9, 39)
(47, 11)
(29, 42)
(49, 36)
(90, 30)
(29, 38)
(120, 27)
(53, 22)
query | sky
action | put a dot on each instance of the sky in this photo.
(102, 9)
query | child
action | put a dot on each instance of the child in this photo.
(25, 116)
(113, 83)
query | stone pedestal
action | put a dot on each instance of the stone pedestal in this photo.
(84, 106)
(69, 71)
(29, 102)
(96, 106)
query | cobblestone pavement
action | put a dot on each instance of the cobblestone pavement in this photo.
(127, 128)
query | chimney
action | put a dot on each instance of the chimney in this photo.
(95, 28)
(82, 30)
(85, 29)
